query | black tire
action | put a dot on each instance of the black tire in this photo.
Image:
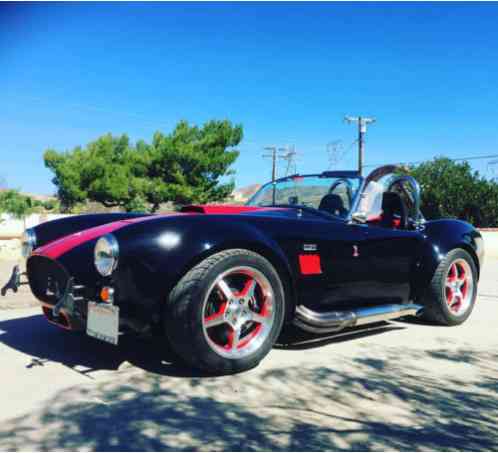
(436, 308)
(184, 312)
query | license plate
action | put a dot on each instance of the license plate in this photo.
(103, 322)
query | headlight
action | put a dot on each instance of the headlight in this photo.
(106, 255)
(28, 242)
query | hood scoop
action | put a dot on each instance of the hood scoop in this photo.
(219, 209)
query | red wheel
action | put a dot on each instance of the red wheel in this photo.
(238, 312)
(226, 313)
(451, 295)
(459, 286)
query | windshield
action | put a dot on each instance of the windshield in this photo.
(333, 195)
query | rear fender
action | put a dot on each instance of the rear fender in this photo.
(440, 238)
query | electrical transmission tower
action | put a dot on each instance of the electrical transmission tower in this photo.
(335, 152)
(491, 169)
(289, 155)
(362, 130)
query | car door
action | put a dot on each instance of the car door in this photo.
(392, 256)
(331, 273)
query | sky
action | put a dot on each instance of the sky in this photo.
(288, 72)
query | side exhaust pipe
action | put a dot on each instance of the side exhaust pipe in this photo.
(334, 321)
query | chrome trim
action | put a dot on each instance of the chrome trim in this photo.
(113, 244)
(385, 313)
(333, 321)
(416, 187)
(356, 200)
(28, 242)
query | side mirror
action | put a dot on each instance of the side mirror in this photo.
(360, 217)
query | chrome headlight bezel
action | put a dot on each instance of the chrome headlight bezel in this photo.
(106, 255)
(28, 242)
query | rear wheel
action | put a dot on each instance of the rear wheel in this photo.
(453, 290)
(226, 313)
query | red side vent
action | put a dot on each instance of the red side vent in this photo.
(310, 264)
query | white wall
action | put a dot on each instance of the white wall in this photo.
(490, 244)
(11, 230)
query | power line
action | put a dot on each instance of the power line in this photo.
(455, 159)
(94, 108)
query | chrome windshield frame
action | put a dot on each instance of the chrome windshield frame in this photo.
(324, 175)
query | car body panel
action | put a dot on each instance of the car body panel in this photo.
(353, 263)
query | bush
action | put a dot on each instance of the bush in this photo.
(453, 190)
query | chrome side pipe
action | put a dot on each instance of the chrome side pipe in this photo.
(333, 321)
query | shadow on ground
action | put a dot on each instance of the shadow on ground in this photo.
(43, 341)
(385, 398)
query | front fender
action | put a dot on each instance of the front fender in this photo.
(154, 259)
(55, 229)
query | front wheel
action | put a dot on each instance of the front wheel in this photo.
(453, 290)
(226, 313)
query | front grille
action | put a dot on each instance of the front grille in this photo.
(47, 278)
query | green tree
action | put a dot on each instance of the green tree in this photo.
(452, 189)
(182, 167)
(14, 203)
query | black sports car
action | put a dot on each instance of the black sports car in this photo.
(325, 252)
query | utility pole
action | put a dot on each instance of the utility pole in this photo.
(362, 130)
(288, 155)
(273, 156)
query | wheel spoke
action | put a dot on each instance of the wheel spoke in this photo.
(214, 320)
(453, 273)
(258, 318)
(225, 289)
(249, 288)
(234, 338)
(457, 299)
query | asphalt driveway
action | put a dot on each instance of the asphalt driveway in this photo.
(396, 386)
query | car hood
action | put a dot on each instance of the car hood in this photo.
(63, 245)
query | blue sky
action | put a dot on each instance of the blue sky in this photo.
(288, 72)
